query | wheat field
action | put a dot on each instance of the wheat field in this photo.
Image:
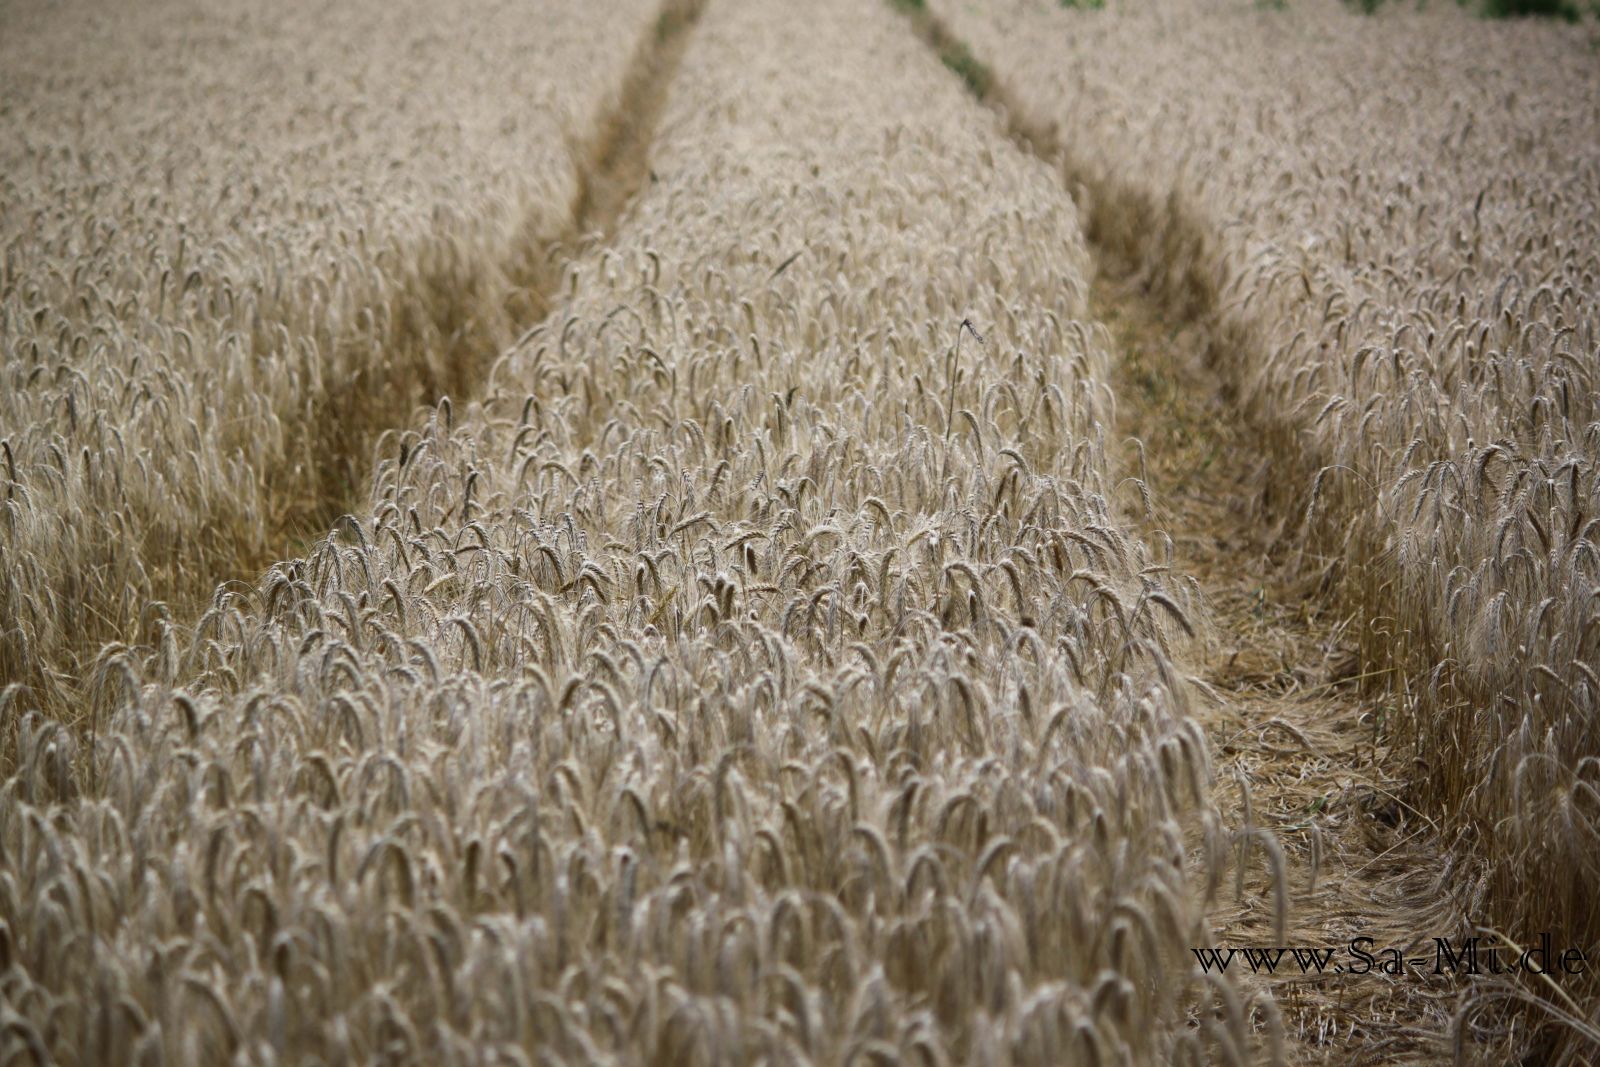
(1395, 226)
(727, 531)
(235, 253)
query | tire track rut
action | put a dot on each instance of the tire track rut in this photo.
(614, 167)
(1301, 751)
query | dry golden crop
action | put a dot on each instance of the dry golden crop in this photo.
(756, 670)
(238, 242)
(1393, 223)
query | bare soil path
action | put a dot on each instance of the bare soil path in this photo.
(1298, 750)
